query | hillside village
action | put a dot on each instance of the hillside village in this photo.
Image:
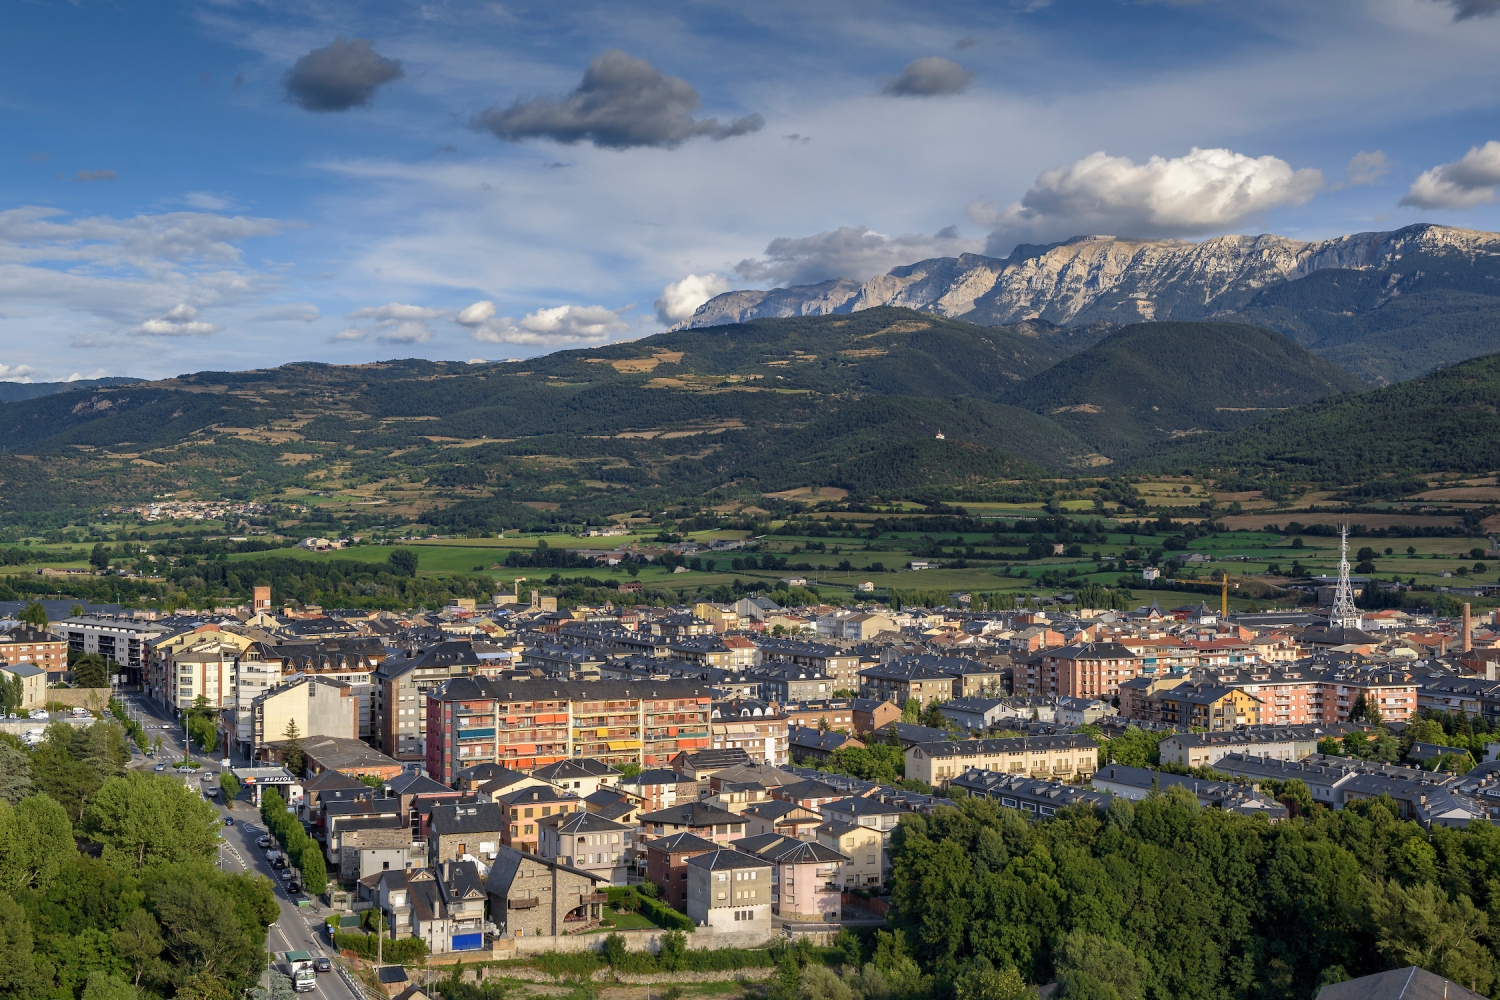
(454, 757)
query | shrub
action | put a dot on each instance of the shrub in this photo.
(579, 964)
(402, 951)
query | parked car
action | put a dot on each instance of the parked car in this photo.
(263, 842)
(286, 876)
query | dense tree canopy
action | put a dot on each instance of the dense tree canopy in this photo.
(1163, 899)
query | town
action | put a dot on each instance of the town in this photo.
(495, 778)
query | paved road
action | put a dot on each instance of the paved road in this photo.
(298, 928)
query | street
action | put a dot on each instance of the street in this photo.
(298, 928)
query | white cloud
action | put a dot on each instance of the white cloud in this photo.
(395, 323)
(1461, 184)
(1366, 168)
(406, 332)
(477, 313)
(681, 299)
(395, 311)
(206, 200)
(856, 252)
(559, 326)
(1205, 191)
(79, 376)
(16, 373)
(180, 321)
(290, 312)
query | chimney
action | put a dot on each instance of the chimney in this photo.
(1468, 630)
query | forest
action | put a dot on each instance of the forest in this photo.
(111, 889)
(1165, 900)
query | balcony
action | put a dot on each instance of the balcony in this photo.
(593, 897)
(522, 904)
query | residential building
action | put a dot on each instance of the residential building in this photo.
(531, 896)
(527, 807)
(1082, 670)
(787, 683)
(805, 879)
(709, 822)
(347, 756)
(33, 683)
(660, 788)
(529, 724)
(315, 706)
(830, 714)
(812, 744)
(863, 848)
(1062, 757)
(861, 625)
(823, 659)
(583, 776)
(1410, 983)
(589, 842)
(779, 816)
(399, 688)
(906, 679)
(1136, 783)
(353, 660)
(118, 639)
(871, 812)
(24, 644)
(1213, 707)
(760, 732)
(974, 713)
(463, 831)
(666, 864)
(442, 906)
(730, 891)
(871, 714)
(1036, 796)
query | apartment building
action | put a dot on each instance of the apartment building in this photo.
(823, 658)
(905, 680)
(352, 661)
(123, 641)
(317, 706)
(399, 687)
(760, 732)
(1038, 756)
(524, 725)
(1082, 670)
(24, 644)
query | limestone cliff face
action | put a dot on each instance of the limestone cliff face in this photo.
(1110, 279)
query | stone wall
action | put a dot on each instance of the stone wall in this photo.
(94, 699)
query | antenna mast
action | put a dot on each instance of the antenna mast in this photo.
(1343, 614)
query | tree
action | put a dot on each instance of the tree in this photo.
(314, 871)
(144, 819)
(108, 986)
(137, 941)
(91, 671)
(34, 614)
(230, 788)
(17, 971)
(980, 980)
(36, 837)
(911, 712)
(204, 986)
(12, 693)
(403, 562)
(291, 750)
(99, 557)
(15, 772)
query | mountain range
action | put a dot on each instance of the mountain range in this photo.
(1385, 306)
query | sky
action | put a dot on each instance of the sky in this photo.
(233, 184)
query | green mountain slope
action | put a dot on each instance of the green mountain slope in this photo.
(788, 402)
(1154, 381)
(1384, 328)
(1447, 421)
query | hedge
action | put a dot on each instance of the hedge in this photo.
(402, 951)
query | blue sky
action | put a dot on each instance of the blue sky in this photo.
(228, 184)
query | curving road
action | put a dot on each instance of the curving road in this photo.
(299, 928)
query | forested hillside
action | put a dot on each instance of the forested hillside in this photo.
(1164, 900)
(1151, 381)
(1444, 422)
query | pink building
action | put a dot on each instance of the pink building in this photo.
(805, 877)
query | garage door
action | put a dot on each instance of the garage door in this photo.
(468, 942)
